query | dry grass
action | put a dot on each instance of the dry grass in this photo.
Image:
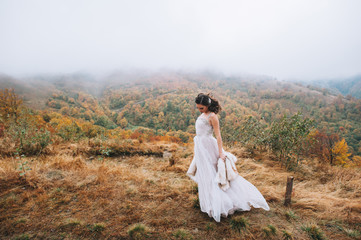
(67, 195)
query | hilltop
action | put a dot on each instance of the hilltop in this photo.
(70, 194)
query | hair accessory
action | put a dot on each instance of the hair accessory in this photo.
(209, 101)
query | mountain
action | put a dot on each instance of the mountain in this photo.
(345, 86)
(348, 86)
(164, 100)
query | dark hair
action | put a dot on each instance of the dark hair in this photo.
(209, 101)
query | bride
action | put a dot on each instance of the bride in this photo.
(213, 200)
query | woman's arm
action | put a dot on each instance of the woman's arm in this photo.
(217, 131)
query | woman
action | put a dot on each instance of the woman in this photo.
(214, 201)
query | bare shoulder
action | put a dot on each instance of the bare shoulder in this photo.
(213, 115)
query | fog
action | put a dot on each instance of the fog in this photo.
(298, 39)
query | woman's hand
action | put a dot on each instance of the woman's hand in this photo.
(223, 156)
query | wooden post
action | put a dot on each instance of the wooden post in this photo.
(288, 191)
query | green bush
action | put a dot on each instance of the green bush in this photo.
(253, 134)
(70, 132)
(196, 203)
(97, 227)
(290, 215)
(22, 237)
(182, 234)
(352, 233)
(286, 235)
(239, 223)
(28, 136)
(137, 231)
(287, 138)
(269, 231)
(314, 232)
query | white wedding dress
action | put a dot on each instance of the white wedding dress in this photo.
(241, 194)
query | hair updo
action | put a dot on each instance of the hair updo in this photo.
(209, 101)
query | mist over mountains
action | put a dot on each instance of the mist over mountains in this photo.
(142, 98)
(36, 88)
(345, 86)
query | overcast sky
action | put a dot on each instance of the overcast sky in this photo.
(303, 39)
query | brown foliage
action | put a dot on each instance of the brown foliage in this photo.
(321, 145)
(9, 104)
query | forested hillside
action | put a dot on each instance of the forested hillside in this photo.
(106, 158)
(165, 102)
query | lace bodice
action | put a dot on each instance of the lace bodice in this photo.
(203, 128)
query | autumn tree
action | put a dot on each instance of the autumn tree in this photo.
(340, 153)
(321, 145)
(122, 122)
(9, 104)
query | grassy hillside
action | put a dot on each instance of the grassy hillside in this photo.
(73, 195)
(108, 159)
